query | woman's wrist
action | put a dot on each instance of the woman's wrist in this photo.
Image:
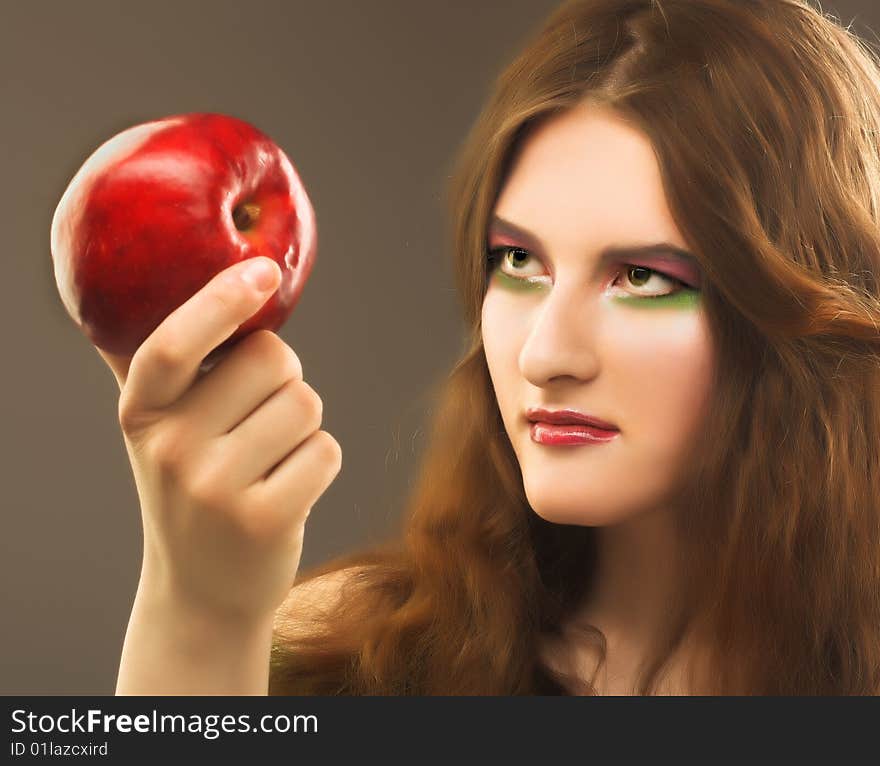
(172, 647)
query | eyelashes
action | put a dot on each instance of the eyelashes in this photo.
(494, 256)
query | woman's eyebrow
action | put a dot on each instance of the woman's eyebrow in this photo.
(610, 254)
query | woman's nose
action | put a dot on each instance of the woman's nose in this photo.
(562, 338)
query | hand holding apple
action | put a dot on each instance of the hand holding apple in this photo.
(161, 208)
(227, 465)
(154, 244)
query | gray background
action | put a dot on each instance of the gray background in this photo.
(370, 100)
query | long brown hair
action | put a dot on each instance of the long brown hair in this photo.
(764, 116)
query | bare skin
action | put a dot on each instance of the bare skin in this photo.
(618, 674)
(564, 328)
(228, 465)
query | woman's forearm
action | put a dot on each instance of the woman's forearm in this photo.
(170, 650)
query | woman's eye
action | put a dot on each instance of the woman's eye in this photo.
(512, 260)
(636, 281)
(641, 277)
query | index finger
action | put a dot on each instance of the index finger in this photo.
(168, 361)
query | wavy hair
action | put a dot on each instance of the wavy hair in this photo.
(764, 116)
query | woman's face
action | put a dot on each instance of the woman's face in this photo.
(566, 328)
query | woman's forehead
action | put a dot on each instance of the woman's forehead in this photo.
(588, 174)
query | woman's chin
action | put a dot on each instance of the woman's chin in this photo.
(577, 514)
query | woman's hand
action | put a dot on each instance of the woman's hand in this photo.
(227, 464)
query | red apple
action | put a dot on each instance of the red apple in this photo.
(159, 209)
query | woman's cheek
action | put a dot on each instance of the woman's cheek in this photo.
(505, 327)
(506, 316)
(497, 345)
(662, 371)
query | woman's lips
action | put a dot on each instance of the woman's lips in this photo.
(569, 433)
(568, 416)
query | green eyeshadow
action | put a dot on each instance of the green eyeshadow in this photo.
(517, 284)
(683, 299)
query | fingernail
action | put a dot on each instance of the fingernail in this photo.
(260, 274)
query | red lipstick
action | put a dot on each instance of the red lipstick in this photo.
(566, 427)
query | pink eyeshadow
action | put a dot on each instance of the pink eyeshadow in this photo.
(668, 265)
(671, 266)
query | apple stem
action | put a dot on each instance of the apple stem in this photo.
(246, 215)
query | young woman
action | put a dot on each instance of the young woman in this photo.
(666, 220)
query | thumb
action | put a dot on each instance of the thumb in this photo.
(118, 364)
